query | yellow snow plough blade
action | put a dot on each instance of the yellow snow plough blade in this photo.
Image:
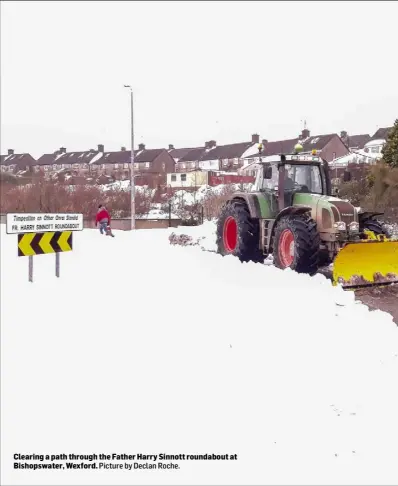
(366, 263)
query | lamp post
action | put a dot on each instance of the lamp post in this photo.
(132, 181)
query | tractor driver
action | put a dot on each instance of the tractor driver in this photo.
(289, 183)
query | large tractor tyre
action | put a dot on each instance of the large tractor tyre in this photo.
(238, 234)
(297, 244)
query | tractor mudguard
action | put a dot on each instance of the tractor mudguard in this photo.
(367, 215)
(252, 202)
(298, 209)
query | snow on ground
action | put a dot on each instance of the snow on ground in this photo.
(187, 198)
(144, 347)
(157, 214)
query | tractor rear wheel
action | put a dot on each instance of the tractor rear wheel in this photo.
(297, 244)
(238, 234)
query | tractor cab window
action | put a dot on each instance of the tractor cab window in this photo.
(303, 178)
(267, 184)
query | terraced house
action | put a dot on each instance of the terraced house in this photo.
(63, 162)
(16, 163)
(150, 165)
(213, 157)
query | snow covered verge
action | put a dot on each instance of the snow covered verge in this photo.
(145, 347)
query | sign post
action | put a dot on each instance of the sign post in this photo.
(57, 265)
(42, 233)
(30, 268)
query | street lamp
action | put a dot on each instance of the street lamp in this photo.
(132, 182)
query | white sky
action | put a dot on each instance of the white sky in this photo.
(200, 71)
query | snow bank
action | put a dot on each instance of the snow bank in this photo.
(144, 347)
(187, 198)
(157, 214)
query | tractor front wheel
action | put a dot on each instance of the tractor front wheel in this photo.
(238, 234)
(297, 244)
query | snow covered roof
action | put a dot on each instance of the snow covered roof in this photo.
(231, 151)
(21, 160)
(67, 158)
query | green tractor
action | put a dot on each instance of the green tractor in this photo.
(292, 215)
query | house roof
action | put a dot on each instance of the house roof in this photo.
(358, 141)
(119, 157)
(17, 159)
(381, 133)
(317, 142)
(124, 156)
(193, 155)
(279, 147)
(67, 158)
(181, 152)
(232, 151)
(148, 155)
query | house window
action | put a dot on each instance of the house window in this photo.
(236, 161)
(173, 178)
(126, 166)
(183, 177)
(136, 165)
(334, 155)
(116, 166)
(103, 166)
(375, 150)
(163, 166)
(314, 140)
(147, 165)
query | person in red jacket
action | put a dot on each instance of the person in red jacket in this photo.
(103, 218)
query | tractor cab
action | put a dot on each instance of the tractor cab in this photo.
(283, 176)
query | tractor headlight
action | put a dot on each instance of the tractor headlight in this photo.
(354, 226)
(340, 225)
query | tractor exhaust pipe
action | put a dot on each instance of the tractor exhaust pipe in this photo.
(281, 185)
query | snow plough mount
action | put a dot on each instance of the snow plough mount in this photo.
(292, 215)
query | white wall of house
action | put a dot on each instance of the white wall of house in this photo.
(374, 146)
(187, 179)
(209, 164)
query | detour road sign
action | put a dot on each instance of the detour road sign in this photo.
(30, 244)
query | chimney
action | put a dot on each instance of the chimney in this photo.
(305, 133)
(255, 138)
(62, 150)
(10, 151)
(211, 144)
(343, 134)
(141, 146)
(101, 148)
(171, 146)
(123, 149)
(264, 141)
